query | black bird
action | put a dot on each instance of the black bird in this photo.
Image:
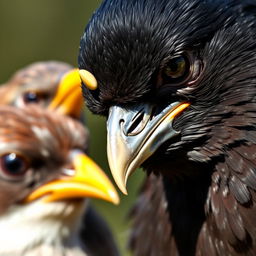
(176, 81)
(45, 181)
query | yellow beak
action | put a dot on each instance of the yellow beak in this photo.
(68, 99)
(86, 180)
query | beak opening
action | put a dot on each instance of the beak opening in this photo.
(135, 134)
(86, 180)
(68, 99)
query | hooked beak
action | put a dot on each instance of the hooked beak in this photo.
(135, 134)
(86, 180)
(68, 99)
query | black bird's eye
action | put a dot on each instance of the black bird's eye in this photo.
(13, 165)
(176, 70)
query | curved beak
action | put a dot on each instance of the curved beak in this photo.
(85, 180)
(134, 134)
(68, 99)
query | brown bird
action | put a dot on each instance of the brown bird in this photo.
(45, 178)
(50, 84)
(176, 81)
(56, 86)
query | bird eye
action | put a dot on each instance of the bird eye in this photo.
(30, 97)
(34, 98)
(176, 71)
(13, 165)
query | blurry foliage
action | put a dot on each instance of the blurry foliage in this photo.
(51, 30)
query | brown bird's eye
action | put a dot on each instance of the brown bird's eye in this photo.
(13, 165)
(176, 71)
(30, 97)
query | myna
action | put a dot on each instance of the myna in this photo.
(45, 180)
(176, 81)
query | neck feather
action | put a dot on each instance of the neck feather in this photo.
(186, 200)
(42, 229)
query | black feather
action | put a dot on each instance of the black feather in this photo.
(208, 173)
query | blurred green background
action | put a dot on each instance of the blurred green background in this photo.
(51, 30)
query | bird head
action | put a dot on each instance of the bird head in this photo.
(174, 78)
(42, 159)
(51, 84)
(45, 180)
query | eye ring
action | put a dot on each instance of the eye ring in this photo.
(13, 166)
(188, 67)
(177, 70)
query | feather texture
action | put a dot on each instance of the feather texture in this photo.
(202, 199)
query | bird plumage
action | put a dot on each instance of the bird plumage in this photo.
(41, 78)
(50, 84)
(42, 141)
(207, 172)
(27, 227)
(119, 30)
(36, 229)
(54, 85)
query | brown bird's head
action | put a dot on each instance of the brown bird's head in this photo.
(44, 177)
(50, 84)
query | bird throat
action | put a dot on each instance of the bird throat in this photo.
(186, 200)
(42, 229)
(175, 204)
(185, 186)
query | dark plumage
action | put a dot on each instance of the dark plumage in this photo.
(200, 55)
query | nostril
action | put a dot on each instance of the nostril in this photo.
(136, 124)
(152, 113)
(139, 113)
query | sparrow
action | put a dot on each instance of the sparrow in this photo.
(51, 84)
(46, 178)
